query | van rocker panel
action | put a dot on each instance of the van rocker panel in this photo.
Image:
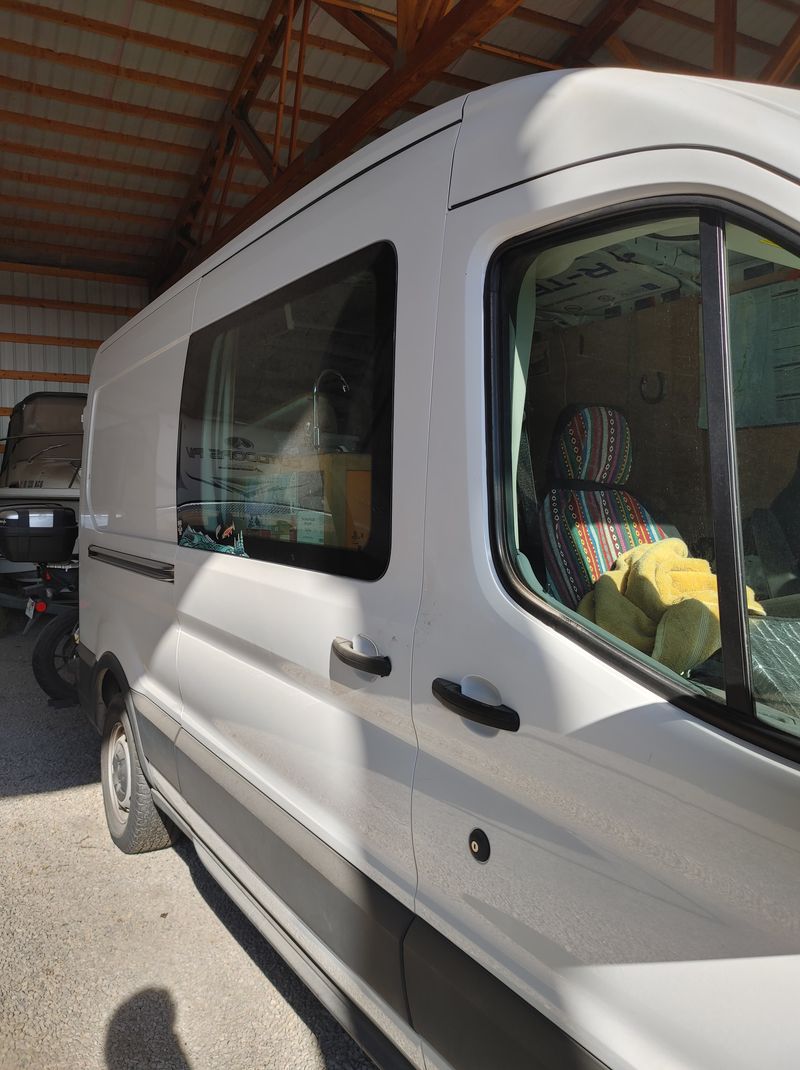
(360, 922)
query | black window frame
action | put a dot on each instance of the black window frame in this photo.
(736, 715)
(371, 562)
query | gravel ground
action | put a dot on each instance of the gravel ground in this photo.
(129, 963)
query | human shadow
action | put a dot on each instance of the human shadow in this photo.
(141, 1034)
(336, 1047)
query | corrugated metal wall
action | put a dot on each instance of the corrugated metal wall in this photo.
(76, 313)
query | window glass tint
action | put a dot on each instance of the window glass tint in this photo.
(609, 514)
(285, 439)
(764, 318)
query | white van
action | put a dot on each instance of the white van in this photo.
(440, 578)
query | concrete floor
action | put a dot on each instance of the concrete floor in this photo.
(118, 962)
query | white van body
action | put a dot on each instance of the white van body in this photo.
(639, 907)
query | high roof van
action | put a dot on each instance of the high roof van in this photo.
(439, 576)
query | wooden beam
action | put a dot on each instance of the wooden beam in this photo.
(73, 253)
(659, 61)
(435, 11)
(706, 26)
(68, 306)
(105, 104)
(725, 38)
(622, 51)
(44, 377)
(77, 185)
(253, 71)
(50, 340)
(14, 223)
(784, 63)
(466, 23)
(55, 271)
(299, 78)
(41, 13)
(91, 132)
(83, 209)
(116, 71)
(377, 40)
(607, 21)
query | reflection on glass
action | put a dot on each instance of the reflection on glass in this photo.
(764, 297)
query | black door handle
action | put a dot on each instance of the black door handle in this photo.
(377, 664)
(451, 696)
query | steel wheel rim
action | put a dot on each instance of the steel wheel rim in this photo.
(119, 771)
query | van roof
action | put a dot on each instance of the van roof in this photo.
(532, 126)
(540, 123)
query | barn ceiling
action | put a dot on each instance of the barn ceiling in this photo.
(136, 137)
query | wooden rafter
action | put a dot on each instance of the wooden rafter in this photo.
(253, 71)
(785, 61)
(92, 233)
(706, 26)
(607, 21)
(163, 81)
(167, 44)
(50, 340)
(466, 23)
(105, 104)
(104, 163)
(75, 185)
(85, 25)
(72, 253)
(725, 38)
(410, 17)
(377, 40)
(69, 306)
(51, 270)
(45, 377)
(93, 212)
(299, 77)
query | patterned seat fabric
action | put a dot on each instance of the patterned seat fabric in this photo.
(588, 519)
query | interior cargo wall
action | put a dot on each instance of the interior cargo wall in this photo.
(51, 326)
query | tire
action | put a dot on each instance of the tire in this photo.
(135, 824)
(55, 657)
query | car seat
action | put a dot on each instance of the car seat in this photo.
(587, 517)
(776, 537)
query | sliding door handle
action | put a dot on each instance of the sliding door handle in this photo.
(376, 664)
(451, 696)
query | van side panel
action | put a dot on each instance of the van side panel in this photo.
(127, 543)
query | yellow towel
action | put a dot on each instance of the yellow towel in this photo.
(662, 602)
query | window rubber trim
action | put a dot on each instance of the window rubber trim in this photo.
(723, 470)
(740, 725)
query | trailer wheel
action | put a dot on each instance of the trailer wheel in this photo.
(135, 824)
(55, 657)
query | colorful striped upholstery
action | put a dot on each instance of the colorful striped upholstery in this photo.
(587, 518)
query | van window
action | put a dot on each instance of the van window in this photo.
(764, 301)
(609, 514)
(286, 423)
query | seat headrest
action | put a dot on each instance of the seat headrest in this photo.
(594, 444)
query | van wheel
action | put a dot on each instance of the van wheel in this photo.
(135, 824)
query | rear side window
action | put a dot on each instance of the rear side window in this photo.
(286, 423)
(648, 418)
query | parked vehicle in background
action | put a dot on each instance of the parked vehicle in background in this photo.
(440, 580)
(41, 464)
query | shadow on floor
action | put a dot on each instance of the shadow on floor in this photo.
(336, 1047)
(142, 1034)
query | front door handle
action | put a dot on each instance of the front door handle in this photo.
(450, 695)
(376, 664)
